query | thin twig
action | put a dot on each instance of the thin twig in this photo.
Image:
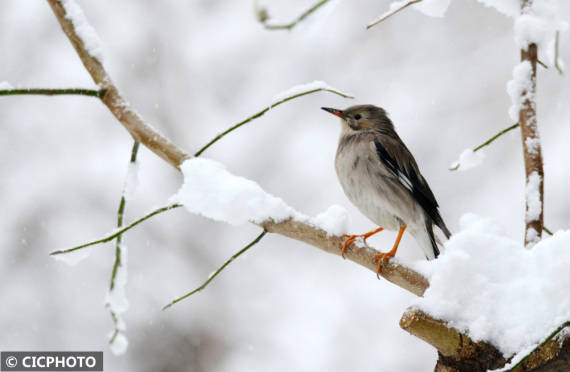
(550, 337)
(556, 51)
(117, 233)
(488, 142)
(53, 92)
(218, 271)
(120, 215)
(118, 251)
(391, 13)
(547, 230)
(297, 20)
(260, 113)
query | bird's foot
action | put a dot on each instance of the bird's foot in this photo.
(381, 257)
(352, 238)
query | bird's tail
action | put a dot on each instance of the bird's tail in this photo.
(433, 239)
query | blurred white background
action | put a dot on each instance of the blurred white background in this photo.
(193, 68)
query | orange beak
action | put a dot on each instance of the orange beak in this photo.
(335, 112)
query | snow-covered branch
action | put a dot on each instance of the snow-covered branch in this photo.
(523, 94)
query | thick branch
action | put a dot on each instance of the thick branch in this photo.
(531, 141)
(398, 274)
(457, 352)
(145, 134)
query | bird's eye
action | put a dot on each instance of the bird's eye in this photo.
(357, 116)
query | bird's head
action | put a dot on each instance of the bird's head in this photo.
(363, 117)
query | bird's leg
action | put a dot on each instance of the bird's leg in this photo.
(381, 257)
(351, 238)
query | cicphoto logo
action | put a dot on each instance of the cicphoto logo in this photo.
(51, 361)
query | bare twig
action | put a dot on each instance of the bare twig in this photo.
(290, 25)
(488, 142)
(218, 271)
(391, 12)
(119, 232)
(53, 92)
(260, 113)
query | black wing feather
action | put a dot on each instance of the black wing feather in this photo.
(405, 169)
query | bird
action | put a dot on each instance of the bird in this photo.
(380, 176)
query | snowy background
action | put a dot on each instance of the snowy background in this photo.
(194, 68)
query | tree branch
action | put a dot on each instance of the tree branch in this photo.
(457, 352)
(119, 107)
(488, 142)
(391, 12)
(531, 142)
(53, 92)
(217, 272)
(263, 17)
(146, 135)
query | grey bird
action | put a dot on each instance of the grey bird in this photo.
(380, 176)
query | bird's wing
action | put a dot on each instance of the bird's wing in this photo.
(401, 164)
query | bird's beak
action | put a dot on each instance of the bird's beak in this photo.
(333, 111)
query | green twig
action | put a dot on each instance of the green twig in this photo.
(391, 13)
(293, 23)
(120, 215)
(53, 92)
(546, 230)
(550, 337)
(211, 277)
(119, 232)
(488, 142)
(260, 113)
(556, 51)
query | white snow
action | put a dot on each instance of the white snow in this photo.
(519, 88)
(72, 258)
(511, 8)
(120, 344)
(334, 220)
(531, 237)
(84, 30)
(489, 286)
(4, 85)
(532, 190)
(131, 181)
(468, 159)
(212, 191)
(433, 8)
(538, 24)
(302, 88)
(532, 145)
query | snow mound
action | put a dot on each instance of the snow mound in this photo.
(493, 289)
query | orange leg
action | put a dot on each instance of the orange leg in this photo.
(381, 257)
(351, 238)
